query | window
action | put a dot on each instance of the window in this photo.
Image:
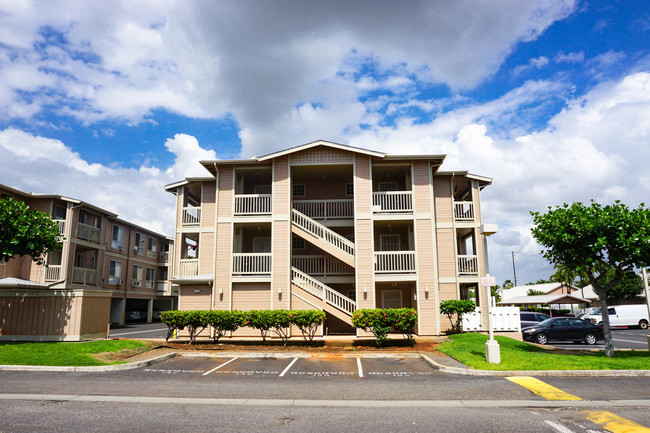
(137, 276)
(59, 213)
(152, 246)
(387, 186)
(79, 260)
(150, 278)
(114, 273)
(138, 248)
(299, 191)
(163, 271)
(297, 243)
(389, 243)
(117, 238)
(349, 189)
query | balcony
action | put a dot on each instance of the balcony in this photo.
(84, 276)
(253, 204)
(188, 268)
(88, 233)
(326, 209)
(392, 201)
(321, 266)
(395, 262)
(163, 288)
(148, 284)
(163, 257)
(53, 273)
(251, 263)
(191, 216)
(467, 266)
(464, 211)
(61, 224)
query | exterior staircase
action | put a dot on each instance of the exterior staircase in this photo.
(322, 295)
(321, 236)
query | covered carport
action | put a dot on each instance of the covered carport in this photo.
(559, 299)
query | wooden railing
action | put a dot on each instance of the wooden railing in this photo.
(467, 265)
(84, 276)
(395, 262)
(392, 201)
(53, 273)
(322, 291)
(326, 209)
(321, 232)
(88, 233)
(253, 204)
(251, 263)
(321, 265)
(464, 211)
(191, 216)
(188, 268)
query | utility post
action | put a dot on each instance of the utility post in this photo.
(644, 273)
(492, 351)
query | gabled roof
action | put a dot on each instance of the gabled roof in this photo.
(545, 299)
(320, 143)
(519, 291)
(483, 181)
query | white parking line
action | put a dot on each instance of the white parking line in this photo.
(558, 427)
(629, 341)
(288, 367)
(218, 367)
(359, 367)
(137, 332)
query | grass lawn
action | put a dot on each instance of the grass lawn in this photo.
(63, 354)
(515, 355)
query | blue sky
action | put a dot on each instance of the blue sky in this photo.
(551, 99)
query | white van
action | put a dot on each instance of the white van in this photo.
(622, 315)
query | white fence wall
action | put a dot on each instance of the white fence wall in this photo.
(503, 319)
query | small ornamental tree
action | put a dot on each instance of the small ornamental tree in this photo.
(281, 320)
(25, 232)
(261, 320)
(604, 242)
(196, 322)
(308, 322)
(375, 321)
(456, 307)
(404, 321)
(175, 321)
(223, 321)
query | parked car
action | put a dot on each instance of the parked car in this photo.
(622, 315)
(132, 316)
(563, 329)
(530, 318)
(155, 315)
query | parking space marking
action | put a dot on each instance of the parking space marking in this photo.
(542, 389)
(118, 334)
(359, 367)
(614, 423)
(558, 427)
(288, 367)
(218, 367)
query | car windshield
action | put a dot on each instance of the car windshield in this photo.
(545, 322)
(596, 311)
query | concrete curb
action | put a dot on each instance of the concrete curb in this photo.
(94, 369)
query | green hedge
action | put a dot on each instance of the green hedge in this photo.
(223, 321)
(383, 321)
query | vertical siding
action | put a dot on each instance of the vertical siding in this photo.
(443, 199)
(446, 253)
(281, 232)
(364, 232)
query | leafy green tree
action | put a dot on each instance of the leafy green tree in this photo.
(598, 240)
(533, 292)
(629, 287)
(308, 322)
(26, 232)
(456, 307)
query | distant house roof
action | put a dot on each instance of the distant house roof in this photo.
(519, 291)
(545, 299)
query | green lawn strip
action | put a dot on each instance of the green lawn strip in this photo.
(62, 354)
(515, 355)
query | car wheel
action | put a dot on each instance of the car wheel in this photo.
(643, 324)
(542, 339)
(591, 338)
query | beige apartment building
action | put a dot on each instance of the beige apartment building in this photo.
(106, 268)
(332, 227)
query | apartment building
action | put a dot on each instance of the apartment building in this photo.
(332, 227)
(110, 266)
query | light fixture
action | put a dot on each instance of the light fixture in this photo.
(280, 290)
(365, 289)
(426, 289)
(220, 291)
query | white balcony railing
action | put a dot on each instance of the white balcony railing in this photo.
(467, 265)
(320, 290)
(392, 201)
(464, 211)
(188, 268)
(53, 273)
(88, 233)
(61, 224)
(321, 266)
(253, 204)
(84, 276)
(395, 262)
(321, 232)
(326, 209)
(251, 263)
(191, 216)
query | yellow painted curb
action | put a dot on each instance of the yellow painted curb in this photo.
(614, 423)
(542, 389)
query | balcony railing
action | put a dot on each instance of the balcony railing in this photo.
(392, 201)
(163, 257)
(467, 265)
(326, 209)
(251, 263)
(61, 224)
(395, 262)
(464, 211)
(88, 233)
(163, 287)
(188, 268)
(253, 204)
(151, 254)
(191, 216)
(321, 266)
(148, 284)
(84, 276)
(53, 273)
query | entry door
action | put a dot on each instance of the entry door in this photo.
(391, 299)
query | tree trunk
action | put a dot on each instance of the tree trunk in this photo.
(609, 344)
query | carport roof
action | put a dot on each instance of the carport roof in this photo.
(545, 299)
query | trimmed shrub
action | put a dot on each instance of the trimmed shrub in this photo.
(404, 320)
(261, 320)
(383, 321)
(307, 321)
(197, 321)
(281, 320)
(457, 307)
(223, 321)
(175, 321)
